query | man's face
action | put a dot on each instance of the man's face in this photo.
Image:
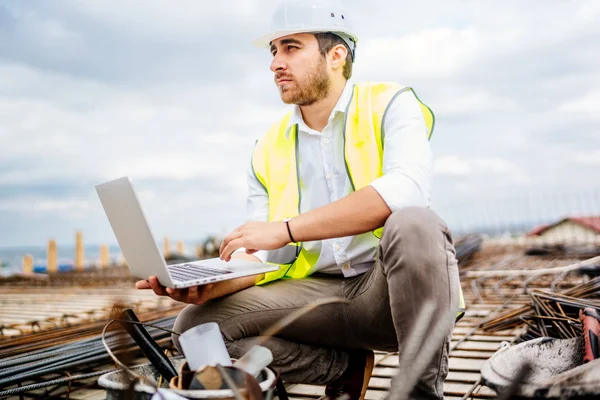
(301, 72)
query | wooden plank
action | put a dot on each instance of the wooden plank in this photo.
(16, 320)
(10, 332)
(315, 391)
(484, 306)
(485, 346)
(384, 372)
(300, 389)
(453, 389)
(297, 398)
(482, 355)
(456, 388)
(485, 391)
(380, 383)
(461, 330)
(375, 394)
(456, 364)
(477, 313)
(88, 394)
(465, 364)
(379, 357)
(485, 338)
(466, 377)
(389, 361)
(454, 376)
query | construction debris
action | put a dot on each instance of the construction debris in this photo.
(550, 314)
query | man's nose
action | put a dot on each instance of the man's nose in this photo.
(278, 63)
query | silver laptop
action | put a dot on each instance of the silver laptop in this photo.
(141, 250)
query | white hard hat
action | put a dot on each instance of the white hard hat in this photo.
(309, 16)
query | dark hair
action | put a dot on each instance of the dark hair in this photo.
(328, 41)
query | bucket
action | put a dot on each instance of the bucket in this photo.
(116, 384)
(556, 370)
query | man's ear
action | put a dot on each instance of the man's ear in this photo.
(337, 56)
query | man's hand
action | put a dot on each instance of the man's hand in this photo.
(192, 295)
(254, 236)
(201, 294)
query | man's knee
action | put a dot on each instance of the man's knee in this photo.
(414, 239)
(413, 223)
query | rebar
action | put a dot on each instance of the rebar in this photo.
(550, 314)
(73, 357)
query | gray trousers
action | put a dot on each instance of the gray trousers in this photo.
(415, 262)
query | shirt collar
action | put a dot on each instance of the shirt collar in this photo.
(340, 107)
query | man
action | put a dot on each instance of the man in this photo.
(348, 160)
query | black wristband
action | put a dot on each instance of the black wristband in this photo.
(289, 231)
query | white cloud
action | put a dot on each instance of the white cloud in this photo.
(494, 165)
(451, 165)
(434, 53)
(181, 21)
(477, 167)
(460, 166)
(587, 105)
(471, 103)
(63, 206)
(589, 158)
(169, 166)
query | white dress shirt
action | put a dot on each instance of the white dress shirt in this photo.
(406, 180)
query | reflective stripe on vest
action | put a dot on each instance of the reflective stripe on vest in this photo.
(275, 164)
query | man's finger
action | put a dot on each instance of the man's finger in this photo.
(157, 287)
(233, 235)
(143, 284)
(221, 247)
(192, 295)
(177, 294)
(204, 293)
(230, 248)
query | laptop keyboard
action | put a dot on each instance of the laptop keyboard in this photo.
(189, 272)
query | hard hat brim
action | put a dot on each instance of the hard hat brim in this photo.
(265, 41)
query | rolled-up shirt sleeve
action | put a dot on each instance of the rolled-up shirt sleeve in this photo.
(257, 207)
(407, 158)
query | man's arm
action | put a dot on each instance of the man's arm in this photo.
(406, 180)
(359, 212)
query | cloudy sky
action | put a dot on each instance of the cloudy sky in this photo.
(172, 94)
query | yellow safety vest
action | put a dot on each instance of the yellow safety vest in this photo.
(275, 162)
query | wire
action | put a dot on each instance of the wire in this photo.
(119, 363)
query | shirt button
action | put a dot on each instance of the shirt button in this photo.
(326, 140)
(328, 176)
(337, 247)
(346, 266)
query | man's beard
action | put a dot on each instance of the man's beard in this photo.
(316, 87)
